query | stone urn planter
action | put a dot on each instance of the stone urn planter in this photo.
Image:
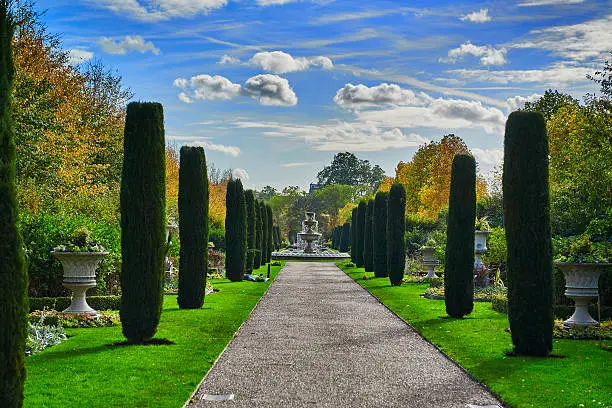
(429, 261)
(79, 275)
(581, 285)
(481, 274)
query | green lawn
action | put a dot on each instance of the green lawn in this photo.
(87, 370)
(583, 378)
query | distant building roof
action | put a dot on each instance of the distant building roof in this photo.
(313, 187)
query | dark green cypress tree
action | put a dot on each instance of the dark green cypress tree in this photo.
(368, 239)
(380, 234)
(270, 246)
(264, 232)
(353, 231)
(459, 272)
(235, 231)
(359, 227)
(258, 236)
(249, 196)
(345, 237)
(336, 237)
(13, 276)
(143, 220)
(396, 227)
(279, 240)
(193, 227)
(527, 219)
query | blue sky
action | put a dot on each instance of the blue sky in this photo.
(274, 88)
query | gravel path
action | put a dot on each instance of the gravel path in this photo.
(317, 339)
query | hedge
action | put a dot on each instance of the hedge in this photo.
(61, 303)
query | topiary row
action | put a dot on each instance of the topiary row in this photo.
(235, 231)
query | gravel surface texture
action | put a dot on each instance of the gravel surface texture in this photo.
(317, 339)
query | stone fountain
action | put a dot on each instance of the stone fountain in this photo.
(308, 244)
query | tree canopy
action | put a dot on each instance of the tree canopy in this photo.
(347, 169)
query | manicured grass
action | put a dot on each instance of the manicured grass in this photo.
(479, 342)
(88, 370)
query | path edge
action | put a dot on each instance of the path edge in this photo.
(197, 388)
(485, 386)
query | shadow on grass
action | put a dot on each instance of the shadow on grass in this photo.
(150, 342)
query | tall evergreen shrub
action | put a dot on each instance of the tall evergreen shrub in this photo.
(379, 234)
(528, 234)
(258, 235)
(353, 231)
(345, 237)
(193, 227)
(13, 276)
(359, 227)
(264, 232)
(396, 226)
(270, 235)
(459, 273)
(279, 240)
(143, 220)
(249, 196)
(235, 231)
(368, 239)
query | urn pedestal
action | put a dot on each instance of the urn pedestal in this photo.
(481, 274)
(581, 285)
(429, 261)
(79, 275)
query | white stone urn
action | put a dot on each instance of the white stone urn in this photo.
(429, 260)
(581, 285)
(79, 275)
(480, 247)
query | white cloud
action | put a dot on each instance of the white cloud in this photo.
(531, 3)
(280, 62)
(340, 136)
(555, 75)
(269, 90)
(488, 55)
(581, 42)
(159, 10)
(488, 159)
(233, 151)
(296, 164)
(77, 56)
(226, 59)
(518, 102)
(273, 2)
(405, 109)
(129, 43)
(241, 174)
(481, 16)
(361, 96)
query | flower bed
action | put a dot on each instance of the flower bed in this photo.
(65, 320)
(480, 294)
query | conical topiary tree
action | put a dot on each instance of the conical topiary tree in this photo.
(368, 239)
(459, 272)
(13, 276)
(379, 234)
(193, 227)
(359, 227)
(249, 197)
(345, 237)
(235, 231)
(396, 227)
(353, 231)
(258, 235)
(143, 220)
(270, 235)
(264, 232)
(528, 235)
(279, 240)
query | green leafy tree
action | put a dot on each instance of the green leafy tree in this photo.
(235, 231)
(368, 243)
(459, 273)
(528, 234)
(193, 227)
(13, 279)
(143, 220)
(347, 169)
(550, 103)
(379, 234)
(396, 226)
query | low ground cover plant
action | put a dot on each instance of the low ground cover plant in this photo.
(69, 320)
